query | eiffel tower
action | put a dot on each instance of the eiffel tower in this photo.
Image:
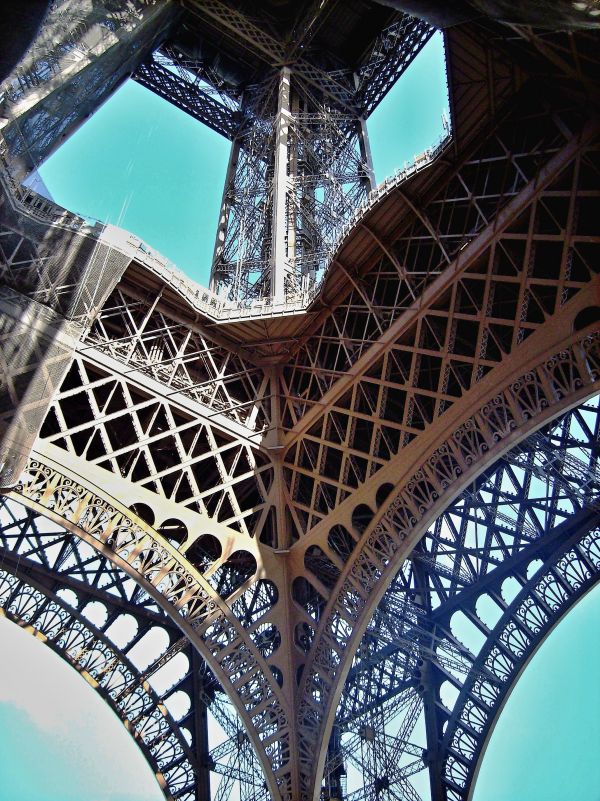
(346, 491)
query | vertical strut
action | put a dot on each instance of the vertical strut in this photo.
(216, 277)
(201, 730)
(279, 255)
(366, 155)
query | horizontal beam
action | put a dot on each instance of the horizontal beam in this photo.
(189, 97)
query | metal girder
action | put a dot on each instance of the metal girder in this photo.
(366, 362)
(189, 97)
(393, 51)
(517, 585)
(308, 23)
(255, 35)
(211, 597)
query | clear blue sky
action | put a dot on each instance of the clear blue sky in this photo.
(145, 165)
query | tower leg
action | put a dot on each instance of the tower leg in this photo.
(280, 190)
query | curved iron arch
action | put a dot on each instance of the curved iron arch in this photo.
(544, 374)
(107, 670)
(556, 379)
(52, 560)
(410, 649)
(543, 602)
(179, 590)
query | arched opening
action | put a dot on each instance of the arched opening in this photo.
(547, 733)
(52, 718)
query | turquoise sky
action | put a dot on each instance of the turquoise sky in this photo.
(146, 166)
(546, 744)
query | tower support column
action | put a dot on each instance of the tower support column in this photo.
(367, 156)
(279, 250)
(217, 279)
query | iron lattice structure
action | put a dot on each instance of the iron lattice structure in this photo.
(338, 531)
(300, 161)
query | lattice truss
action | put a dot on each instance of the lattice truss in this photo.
(460, 620)
(242, 268)
(328, 182)
(327, 171)
(105, 626)
(518, 276)
(193, 87)
(327, 179)
(53, 281)
(67, 273)
(145, 389)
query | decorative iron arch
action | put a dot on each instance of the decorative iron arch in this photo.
(508, 558)
(543, 602)
(39, 611)
(184, 594)
(561, 370)
(103, 600)
(541, 373)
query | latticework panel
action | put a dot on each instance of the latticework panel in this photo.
(70, 272)
(135, 330)
(112, 422)
(165, 408)
(53, 281)
(447, 299)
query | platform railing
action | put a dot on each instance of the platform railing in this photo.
(26, 200)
